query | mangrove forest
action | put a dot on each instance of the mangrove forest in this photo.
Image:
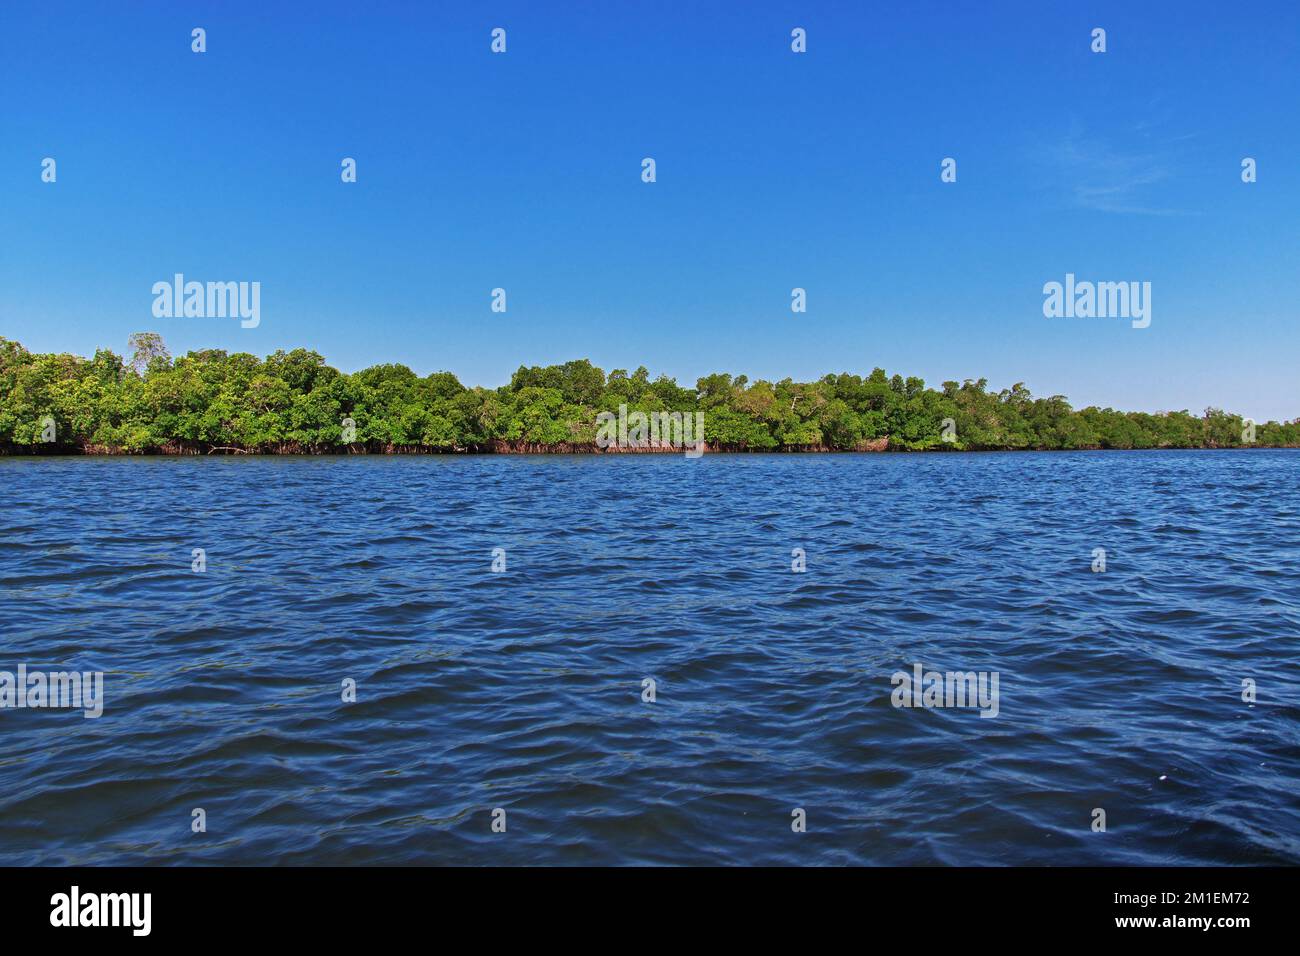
(213, 401)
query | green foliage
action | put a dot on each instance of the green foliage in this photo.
(294, 402)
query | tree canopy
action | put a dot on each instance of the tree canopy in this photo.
(294, 402)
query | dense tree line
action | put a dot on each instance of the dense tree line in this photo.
(293, 402)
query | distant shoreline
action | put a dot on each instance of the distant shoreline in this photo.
(211, 401)
(72, 451)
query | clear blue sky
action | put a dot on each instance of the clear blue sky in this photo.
(775, 170)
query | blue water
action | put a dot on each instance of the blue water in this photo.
(522, 690)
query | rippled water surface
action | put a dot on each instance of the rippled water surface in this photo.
(522, 690)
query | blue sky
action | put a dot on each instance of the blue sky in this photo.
(775, 170)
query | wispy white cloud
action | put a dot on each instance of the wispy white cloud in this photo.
(1100, 175)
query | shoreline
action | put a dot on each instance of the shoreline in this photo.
(211, 402)
(417, 451)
